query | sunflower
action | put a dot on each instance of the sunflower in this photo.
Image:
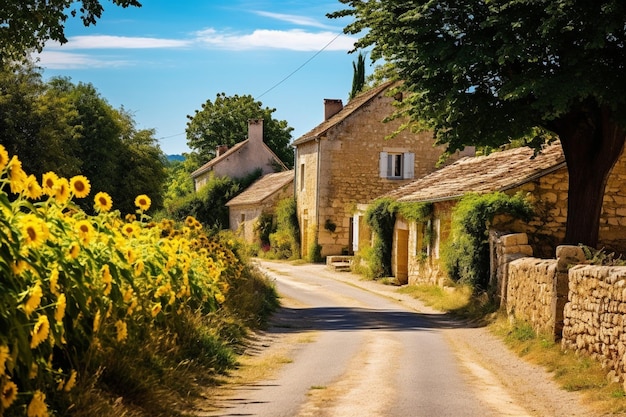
(85, 230)
(102, 202)
(17, 176)
(32, 189)
(80, 186)
(40, 331)
(9, 394)
(37, 406)
(34, 229)
(4, 356)
(48, 181)
(74, 251)
(59, 312)
(143, 202)
(156, 309)
(4, 157)
(33, 300)
(54, 280)
(130, 230)
(62, 190)
(96, 322)
(122, 330)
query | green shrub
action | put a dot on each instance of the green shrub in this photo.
(315, 252)
(285, 241)
(466, 255)
(381, 217)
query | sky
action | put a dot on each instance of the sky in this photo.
(162, 61)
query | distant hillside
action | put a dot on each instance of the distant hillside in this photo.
(173, 158)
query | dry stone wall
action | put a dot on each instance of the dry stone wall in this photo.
(595, 316)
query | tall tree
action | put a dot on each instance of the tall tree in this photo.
(358, 79)
(225, 122)
(27, 24)
(485, 72)
(35, 122)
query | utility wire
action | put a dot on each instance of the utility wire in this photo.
(281, 81)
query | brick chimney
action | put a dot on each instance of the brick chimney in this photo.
(220, 150)
(255, 130)
(332, 106)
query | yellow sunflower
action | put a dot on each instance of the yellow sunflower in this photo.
(102, 202)
(34, 299)
(17, 176)
(122, 330)
(80, 186)
(62, 190)
(9, 394)
(48, 183)
(74, 251)
(34, 230)
(40, 331)
(32, 189)
(37, 406)
(130, 230)
(156, 309)
(85, 230)
(59, 312)
(4, 157)
(4, 356)
(143, 202)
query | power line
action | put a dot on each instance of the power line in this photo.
(281, 81)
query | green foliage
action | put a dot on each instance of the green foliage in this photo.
(602, 257)
(466, 254)
(28, 24)
(264, 227)
(225, 122)
(315, 252)
(381, 217)
(358, 79)
(285, 241)
(179, 182)
(417, 212)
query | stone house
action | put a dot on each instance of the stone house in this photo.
(416, 247)
(348, 160)
(260, 197)
(240, 160)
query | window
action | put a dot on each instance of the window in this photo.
(397, 165)
(302, 177)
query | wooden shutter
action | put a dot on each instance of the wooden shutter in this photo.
(383, 165)
(408, 162)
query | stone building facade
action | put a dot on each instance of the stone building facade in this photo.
(347, 161)
(544, 179)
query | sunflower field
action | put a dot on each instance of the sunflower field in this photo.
(74, 286)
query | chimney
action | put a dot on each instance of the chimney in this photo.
(255, 130)
(220, 150)
(332, 106)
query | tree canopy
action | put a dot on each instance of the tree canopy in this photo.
(26, 25)
(225, 122)
(486, 72)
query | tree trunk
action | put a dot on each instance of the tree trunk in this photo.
(592, 142)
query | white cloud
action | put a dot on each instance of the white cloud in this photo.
(68, 60)
(121, 42)
(295, 19)
(295, 40)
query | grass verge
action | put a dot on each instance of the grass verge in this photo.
(571, 371)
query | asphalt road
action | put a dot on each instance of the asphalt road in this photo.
(366, 355)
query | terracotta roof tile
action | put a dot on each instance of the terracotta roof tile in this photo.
(263, 188)
(498, 171)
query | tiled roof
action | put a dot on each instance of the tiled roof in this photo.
(263, 188)
(206, 167)
(498, 171)
(343, 114)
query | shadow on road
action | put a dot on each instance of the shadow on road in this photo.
(289, 320)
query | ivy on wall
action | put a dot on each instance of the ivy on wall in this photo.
(466, 254)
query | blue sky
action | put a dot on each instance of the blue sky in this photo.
(163, 60)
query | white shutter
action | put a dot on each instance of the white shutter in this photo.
(383, 165)
(355, 233)
(408, 163)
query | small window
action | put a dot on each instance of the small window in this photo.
(397, 165)
(302, 177)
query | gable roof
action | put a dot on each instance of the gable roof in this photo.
(498, 171)
(352, 106)
(209, 165)
(263, 188)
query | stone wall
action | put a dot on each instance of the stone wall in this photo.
(595, 316)
(537, 289)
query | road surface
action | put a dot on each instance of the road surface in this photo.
(366, 352)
